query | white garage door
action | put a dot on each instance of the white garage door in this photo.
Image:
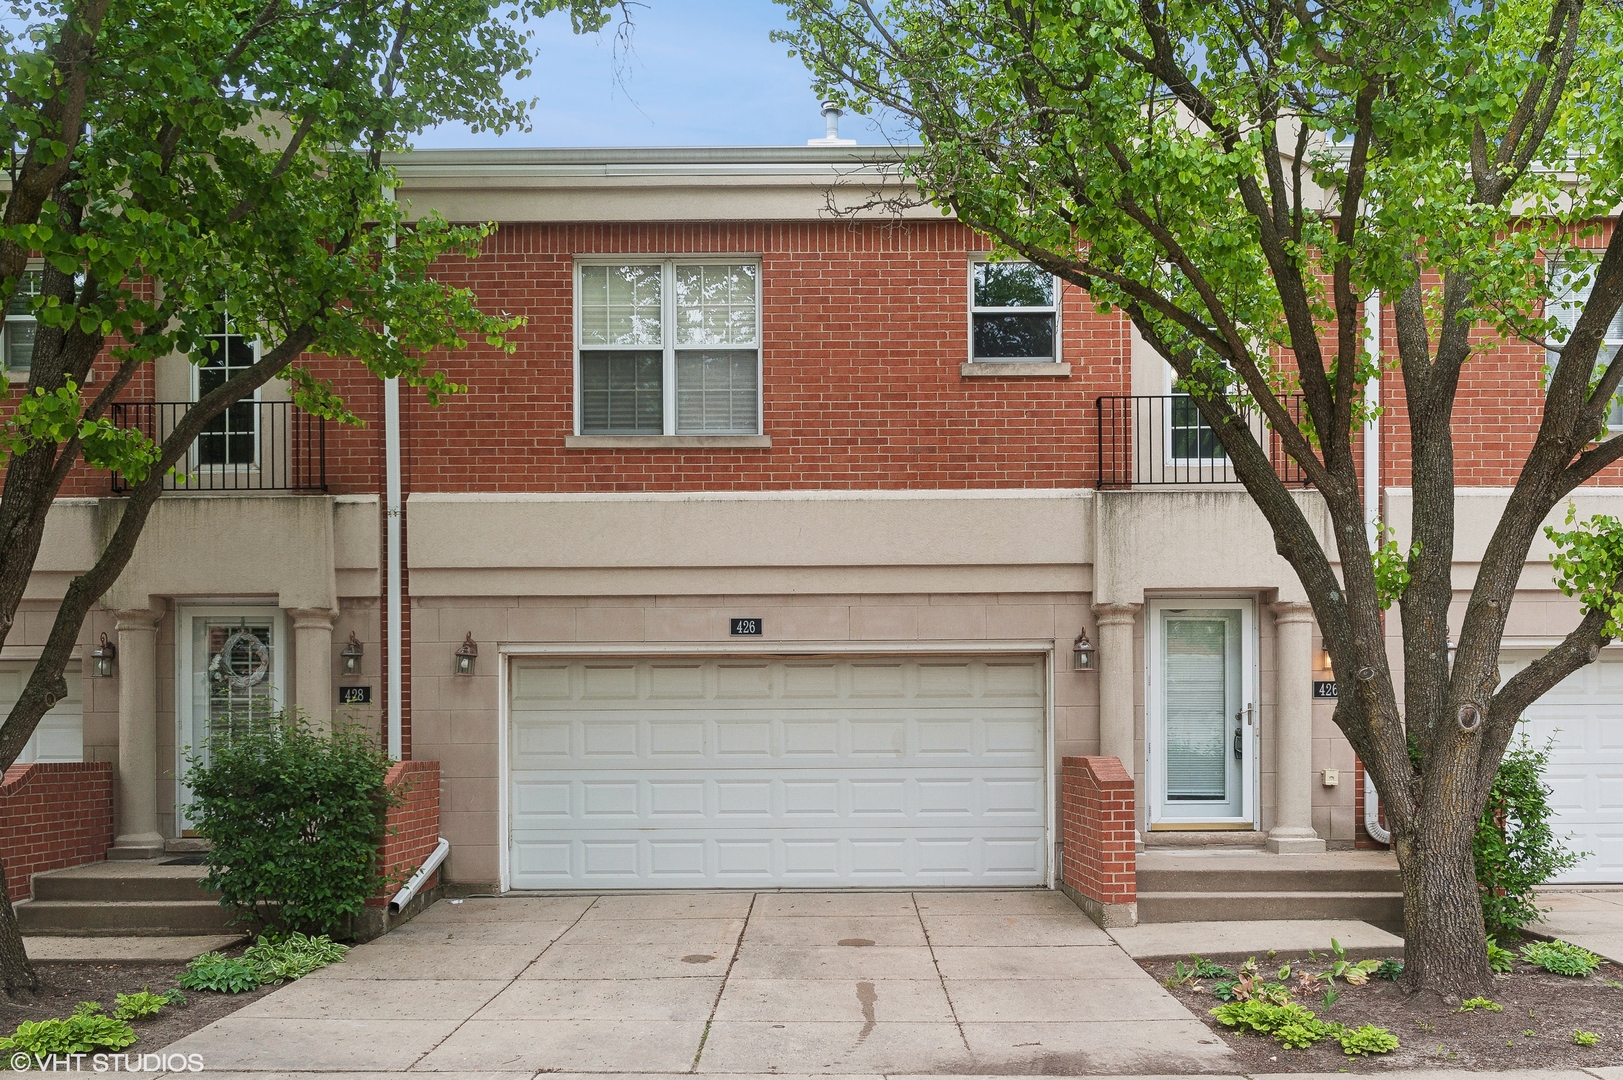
(60, 734)
(684, 772)
(1584, 715)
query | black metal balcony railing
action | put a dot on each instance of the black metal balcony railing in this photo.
(1147, 440)
(252, 446)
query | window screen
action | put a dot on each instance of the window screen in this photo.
(1197, 708)
(1013, 312)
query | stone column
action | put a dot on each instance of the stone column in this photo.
(1293, 833)
(138, 836)
(1116, 622)
(312, 659)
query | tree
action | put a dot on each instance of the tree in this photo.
(179, 162)
(1236, 177)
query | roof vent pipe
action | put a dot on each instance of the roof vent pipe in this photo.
(831, 117)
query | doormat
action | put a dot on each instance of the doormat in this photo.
(197, 859)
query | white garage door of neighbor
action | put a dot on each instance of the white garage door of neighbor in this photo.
(688, 772)
(1584, 715)
(60, 735)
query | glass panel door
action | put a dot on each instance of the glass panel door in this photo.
(1203, 730)
(231, 679)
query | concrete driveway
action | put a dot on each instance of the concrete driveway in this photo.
(847, 982)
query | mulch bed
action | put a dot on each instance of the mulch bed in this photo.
(69, 982)
(1533, 1032)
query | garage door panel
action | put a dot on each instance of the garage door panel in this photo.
(709, 771)
(674, 799)
(1584, 718)
(59, 736)
(752, 860)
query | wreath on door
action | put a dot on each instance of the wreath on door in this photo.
(240, 672)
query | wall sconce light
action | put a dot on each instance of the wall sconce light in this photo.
(104, 655)
(466, 654)
(352, 655)
(1082, 653)
(1324, 659)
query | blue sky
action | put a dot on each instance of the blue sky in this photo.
(699, 73)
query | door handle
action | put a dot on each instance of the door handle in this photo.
(1239, 744)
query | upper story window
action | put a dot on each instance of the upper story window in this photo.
(1566, 305)
(232, 437)
(1013, 313)
(668, 347)
(17, 348)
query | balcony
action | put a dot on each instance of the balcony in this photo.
(1163, 441)
(252, 446)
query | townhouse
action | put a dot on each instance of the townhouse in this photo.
(789, 548)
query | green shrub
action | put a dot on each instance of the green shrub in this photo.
(141, 1005)
(1499, 960)
(294, 816)
(217, 972)
(282, 959)
(1205, 969)
(1390, 970)
(1561, 957)
(87, 1031)
(1516, 849)
(1584, 1038)
(1369, 1039)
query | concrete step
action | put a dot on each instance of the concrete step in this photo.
(1382, 908)
(158, 918)
(1268, 879)
(108, 882)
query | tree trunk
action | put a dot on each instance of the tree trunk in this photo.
(16, 972)
(1445, 948)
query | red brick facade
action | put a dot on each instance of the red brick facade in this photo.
(863, 326)
(53, 815)
(1097, 823)
(412, 830)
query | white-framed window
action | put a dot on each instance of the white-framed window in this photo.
(17, 347)
(1190, 440)
(668, 346)
(1566, 305)
(232, 438)
(1013, 313)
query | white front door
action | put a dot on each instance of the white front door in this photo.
(230, 676)
(1201, 727)
(750, 772)
(1583, 719)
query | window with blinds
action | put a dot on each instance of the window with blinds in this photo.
(689, 327)
(1197, 695)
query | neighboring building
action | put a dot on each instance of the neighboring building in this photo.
(774, 538)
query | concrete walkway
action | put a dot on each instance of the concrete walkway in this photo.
(1177, 941)
(739, 983)
(1587, 915)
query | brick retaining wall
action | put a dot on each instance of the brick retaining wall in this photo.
(412, 829)
(53, 815)
(1099, 866)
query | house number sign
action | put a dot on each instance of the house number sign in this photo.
(355, 695)
(1325, 689)
(744, 627)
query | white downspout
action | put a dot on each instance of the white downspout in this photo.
(409, 890)
(1372, 511)
(394, 631)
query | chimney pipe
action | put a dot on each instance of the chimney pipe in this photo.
(831, 137)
